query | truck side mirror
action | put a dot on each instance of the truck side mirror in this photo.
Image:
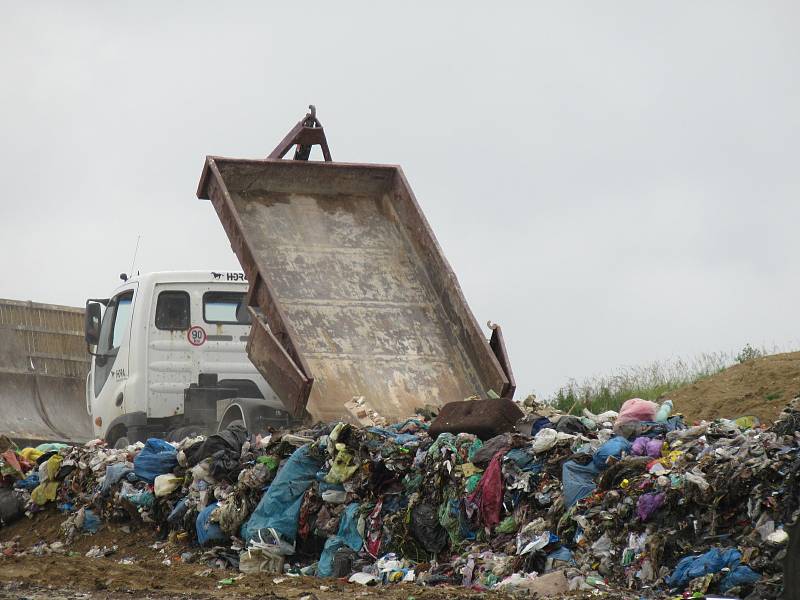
(92, 322)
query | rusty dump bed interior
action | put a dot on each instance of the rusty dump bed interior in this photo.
(350, 292)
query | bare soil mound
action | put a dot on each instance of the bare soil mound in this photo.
(760, 387)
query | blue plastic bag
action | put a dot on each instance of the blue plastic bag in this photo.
(615, 447)
(29, 483)
(563, 554)
(740, 575)
(346, 536)
(156, 458)
(540, 424)
(577, 481)
(713, 561)
(206, 530)
(279, 507)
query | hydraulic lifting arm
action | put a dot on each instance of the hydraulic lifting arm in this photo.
(308, 132)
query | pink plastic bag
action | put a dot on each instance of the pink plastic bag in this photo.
(637, 409)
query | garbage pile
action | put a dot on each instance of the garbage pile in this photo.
(630, 501)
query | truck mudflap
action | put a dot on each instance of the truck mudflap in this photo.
(43, 367)
(351, 295)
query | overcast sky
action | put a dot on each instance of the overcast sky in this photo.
(612, 182)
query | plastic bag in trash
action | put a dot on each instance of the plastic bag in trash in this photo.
(166, 484)
(544, 440)
(691, 567)
(644, 446)
(616, 447)
(740, 575)
(637, 409)
(347, 536)
(206, 530)
(114, 474)
(156, 458)
(578, 481)
(648, 505)
(279, 507)
(271, 541)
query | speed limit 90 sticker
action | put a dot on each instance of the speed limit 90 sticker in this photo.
(197, 336)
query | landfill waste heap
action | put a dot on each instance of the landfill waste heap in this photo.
(631, 501)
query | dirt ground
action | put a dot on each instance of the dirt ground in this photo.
(761, 387)
(73, 576)
(148, 576)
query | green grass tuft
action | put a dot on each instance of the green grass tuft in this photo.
(652, 381)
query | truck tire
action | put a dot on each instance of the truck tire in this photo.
(117, 437)
(253, 414)
(181, 433)
(232, 416)
(791, 566)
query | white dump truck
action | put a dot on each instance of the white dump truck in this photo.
(346, 307)
(170, 355)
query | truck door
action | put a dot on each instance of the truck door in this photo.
(110, 372)
(170, 366)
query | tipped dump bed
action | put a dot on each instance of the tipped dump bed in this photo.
(351, 294)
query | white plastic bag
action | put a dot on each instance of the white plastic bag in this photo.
(165, 484)
(544, 440)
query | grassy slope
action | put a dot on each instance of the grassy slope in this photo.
(651, 382)
(706, 388)
(760, 387)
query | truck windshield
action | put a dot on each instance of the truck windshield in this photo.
(122, 320)
(115, 322)
(225, 307)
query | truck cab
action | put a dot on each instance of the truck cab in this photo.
(170, 356)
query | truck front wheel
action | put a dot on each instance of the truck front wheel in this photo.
(118, 438)
(233, 416)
